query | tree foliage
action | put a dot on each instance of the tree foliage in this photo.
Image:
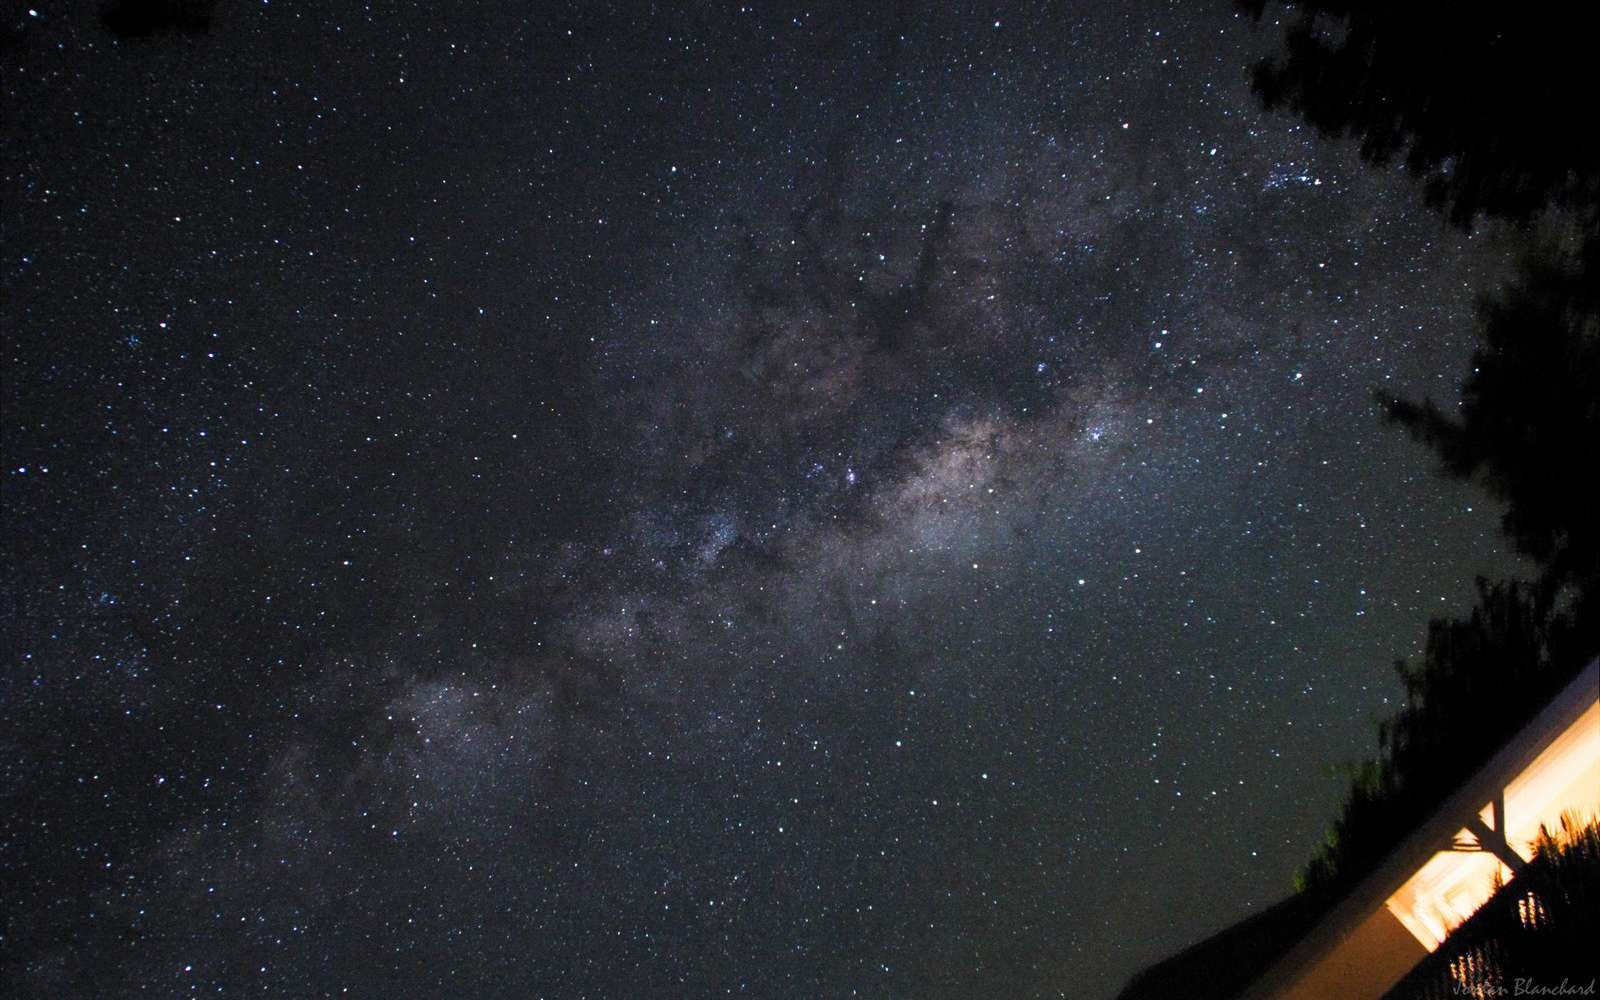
(1528, 425)
(1479, 680)
(1539, 930)
(1490, 112)
(1488, 107)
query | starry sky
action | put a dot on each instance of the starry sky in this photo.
(585, 501)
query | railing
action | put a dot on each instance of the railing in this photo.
(1536, 936)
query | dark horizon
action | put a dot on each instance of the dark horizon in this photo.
(749, 501)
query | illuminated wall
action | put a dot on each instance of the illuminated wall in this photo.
(1377, 933)
(1563, 778)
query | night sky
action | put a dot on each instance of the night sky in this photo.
(757, 501)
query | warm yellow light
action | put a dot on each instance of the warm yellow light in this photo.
(1444, 892)
(1563, 778)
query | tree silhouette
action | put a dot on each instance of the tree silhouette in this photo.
(1487, 108)
(1487, 111)
(1478, 680)
(1528, 427)
(1539, 929)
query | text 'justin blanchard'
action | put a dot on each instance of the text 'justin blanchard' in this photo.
(1527, 988)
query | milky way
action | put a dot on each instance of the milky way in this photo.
(770, 502)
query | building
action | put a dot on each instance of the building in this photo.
(1360, 944)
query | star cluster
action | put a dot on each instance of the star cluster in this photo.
(742, 501)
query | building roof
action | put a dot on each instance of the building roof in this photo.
(1349, 944)
(1225, 963)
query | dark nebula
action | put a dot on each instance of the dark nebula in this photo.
(602, 502)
